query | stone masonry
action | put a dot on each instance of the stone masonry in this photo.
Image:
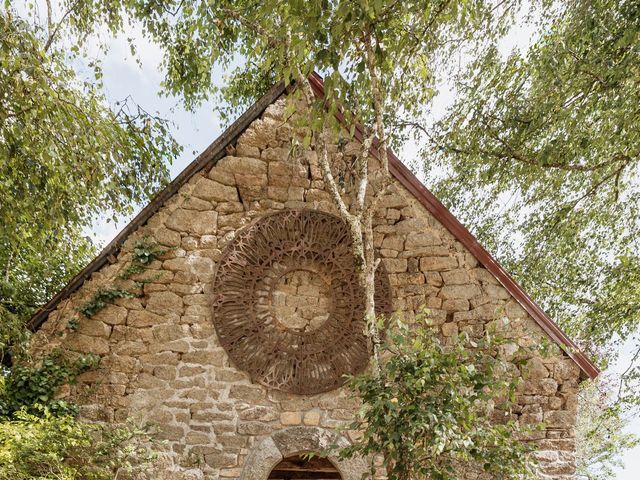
(160, 357)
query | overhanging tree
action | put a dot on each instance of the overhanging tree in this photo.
(376, 57)
(66, 156)
(553, 131)
(542, 153)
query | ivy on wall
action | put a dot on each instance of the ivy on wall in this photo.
(33, 388)
(144, 253)
(40, 435)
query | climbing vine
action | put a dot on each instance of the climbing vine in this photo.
(103, 297)
(144, 253)
(33, 388)
(40, 435)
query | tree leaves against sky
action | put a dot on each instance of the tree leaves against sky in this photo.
(66, 157)
(542, 152)
(259, 42)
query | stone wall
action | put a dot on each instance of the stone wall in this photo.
(161, 359)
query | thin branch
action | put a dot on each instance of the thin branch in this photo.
(49, 16)
(636, 355)
(564, 211)
(378, 104)
(362, 171)
(271, 40)
(7, 267)
(323, 155)
(53, 33)
(518, 156)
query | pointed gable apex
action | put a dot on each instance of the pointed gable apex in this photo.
(401, 173)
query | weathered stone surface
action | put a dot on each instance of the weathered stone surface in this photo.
(111, 315)
(259, 413)
(411, 225)
(87, 344)
(195, 203)
(535, 368)
(199, 223)
(459, 291)
(212, 190)
(144, 318)
(449, 329)
(393, 242)
(244, 150)
(394, 265)
(253, 428)
(243, 165)
(312, 417)
(261, 460)
(247, 393)
(164, 303)
(559, 419)
(291, 418)
(540, 386)
(162, 360)
(456, 277)
(94, 328)
(496, 291)
(422, 239)
(428, 264)
(167, 237)
(565, 370)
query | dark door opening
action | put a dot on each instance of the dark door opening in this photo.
(297, 468)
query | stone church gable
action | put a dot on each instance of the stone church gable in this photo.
(162, 359)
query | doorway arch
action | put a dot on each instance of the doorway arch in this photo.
(291, 442)
(300, 467)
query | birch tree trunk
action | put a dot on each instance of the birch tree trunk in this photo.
(358, 217)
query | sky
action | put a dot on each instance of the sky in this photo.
(123, 76)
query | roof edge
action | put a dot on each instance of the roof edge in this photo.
(212, 153)
(216, 150)
(400, 171)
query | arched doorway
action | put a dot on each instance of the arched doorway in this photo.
(268, 455)
(298, 467)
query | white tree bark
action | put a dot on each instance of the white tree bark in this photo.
(358, 215)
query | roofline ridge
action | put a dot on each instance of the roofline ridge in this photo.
(211, 154)
(441, 213)
(217, 150)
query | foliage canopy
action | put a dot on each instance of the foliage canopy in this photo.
(54, 447)
(542, 152)
(66, 157)
(552, 135)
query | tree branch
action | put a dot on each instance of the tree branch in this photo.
(323, 156)
(53, 33)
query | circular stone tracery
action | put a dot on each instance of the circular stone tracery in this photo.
(287, 305)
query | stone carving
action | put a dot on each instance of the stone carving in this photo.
(287, 306)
